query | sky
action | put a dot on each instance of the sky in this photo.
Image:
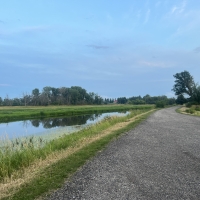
(114, 48)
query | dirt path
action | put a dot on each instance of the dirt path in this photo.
(160, 159)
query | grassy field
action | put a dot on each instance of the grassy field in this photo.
(19, 113)
(27, 172)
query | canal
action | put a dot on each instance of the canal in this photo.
(50, 128)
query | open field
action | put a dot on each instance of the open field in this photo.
(20, 112)
(27, 173)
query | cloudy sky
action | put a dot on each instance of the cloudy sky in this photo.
(114, 48)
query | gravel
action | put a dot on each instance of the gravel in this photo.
(159, 159)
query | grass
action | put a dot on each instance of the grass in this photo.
(53, 176)
(193, 110)
(21, 163)
(19, 154)
(30, 112)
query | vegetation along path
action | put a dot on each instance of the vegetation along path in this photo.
(159, 159)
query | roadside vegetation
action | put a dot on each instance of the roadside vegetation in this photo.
(188, 93)
(28, 171)
(190, 109)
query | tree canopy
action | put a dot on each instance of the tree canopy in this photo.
(184, 84)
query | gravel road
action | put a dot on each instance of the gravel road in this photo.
(159, 159)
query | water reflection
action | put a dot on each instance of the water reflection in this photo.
(51, 126)
(57, 122)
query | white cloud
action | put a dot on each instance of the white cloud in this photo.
(179, 9)
(173, 9)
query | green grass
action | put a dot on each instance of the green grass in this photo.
(54, 175)
(19, 154)
(19, 113)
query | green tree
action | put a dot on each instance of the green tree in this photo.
(36, 92)
(196, 93)
(181, 99)
(1, 101)
(184, 84)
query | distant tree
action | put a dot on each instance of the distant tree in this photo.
(26, 98)
(184, 84)
(36, 92)
(171, 101)
(7, 101)
(1, 101)
(122, 100)
(74, 96)
(16, 102)
(181, 99)
(35, 96)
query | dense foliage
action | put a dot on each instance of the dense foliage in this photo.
(186, 89)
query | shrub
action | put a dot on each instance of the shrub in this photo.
(197, 108)
(160, 104)
(188, 105)
(190, 111)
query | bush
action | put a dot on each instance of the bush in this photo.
(188, 105)
(160, 104)
(197, 108)
(190, 111)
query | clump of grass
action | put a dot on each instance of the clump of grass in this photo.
(190, 111)
(21, 153)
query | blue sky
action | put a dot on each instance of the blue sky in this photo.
(113, 48)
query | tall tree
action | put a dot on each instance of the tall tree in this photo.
(184, 84)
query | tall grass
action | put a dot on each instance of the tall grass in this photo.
(19, 154)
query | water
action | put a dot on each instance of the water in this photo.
(50, 128)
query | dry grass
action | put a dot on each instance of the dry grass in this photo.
(10, 186)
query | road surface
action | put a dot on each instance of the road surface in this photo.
(159, 159)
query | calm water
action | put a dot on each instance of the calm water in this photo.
(51, 127)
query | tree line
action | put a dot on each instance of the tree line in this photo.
(77, 95)
(74, 95)
(147, 99)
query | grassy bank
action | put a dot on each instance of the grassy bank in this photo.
(19, 113)
(57, 159)
(193, 110)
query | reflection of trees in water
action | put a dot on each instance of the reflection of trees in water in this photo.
(25, 123)
(67, 121)
(35, 123)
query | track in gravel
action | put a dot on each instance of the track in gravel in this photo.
(160, 159)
